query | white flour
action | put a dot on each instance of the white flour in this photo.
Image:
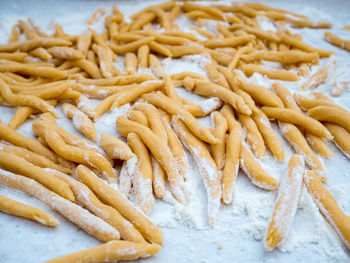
(240, 228)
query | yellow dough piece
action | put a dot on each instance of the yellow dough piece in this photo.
(215, 76)
(331, 114)
(253, 136)
(298, 118)
(259, 93)
(257, 175)
(16, 208)
(83, 42)
(17, 139)
(105, 56)
(114, 147)
(130, 47)
(34, 158)
(306, 103)
(269, 135)
(315, 142)
(117, 250)
(80, 121)
(155, 65)
(66, 53)
(227, 42)
(337, 41)
(44, 129)
(161, 101)
(341, 137)
(328, 206)
(288, 56)
(142, 177)
(130, 63)
(86, 198)
(130, 95)
(320, 76)
(142, 56)
(300, 145)
(160, 151)
(206, 166)
(286, 203)
(175, 146)
(91, 224)
(208, 89)
(112, 197)
(218, 150)
(20, 165)
(25, 100)
(250, 69)
(233, 149)
(34, 43)
(138, 116)
(157, 126)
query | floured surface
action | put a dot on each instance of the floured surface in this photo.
(239, 230)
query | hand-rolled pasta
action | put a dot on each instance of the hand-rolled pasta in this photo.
(130, 47)
(157, 126)
(16, 208)
(142, 56)
(315, 142)
(115, 148)
(138, 116)
(34, 158)
(218, 150)
(74, 154)
(105, 56)
(142, 177)
(233, 149)
(215, 76)
(130, 63)
(253, 136)
(294, 42)
(206, 166)
(85, 105)
(20, 165)
(250, 69)
(34, 43)
(259, 93)
(91, 224)
(341, 137)
(23, 113)
(86, 198)
(227, 42)
(320, 76)
(32, 69)
(155, 65)
(114, 198)
(337, 41)
(17, 139)
(83, 42)
(287, 56)
(130, 95)
(126, 172)
(286, 203)
(256, 174)
(269, 135)
(117, 250)
(25, 100)
(206, 88)
(300, 145)
(170, 90)
(306, 103)
(328, 206)
(175, 146)
(210, 10)
(298, 118)
(160, 151)
(87, 66)
(161, 101)
(66, 53)
(331, 114)
(80, 121)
